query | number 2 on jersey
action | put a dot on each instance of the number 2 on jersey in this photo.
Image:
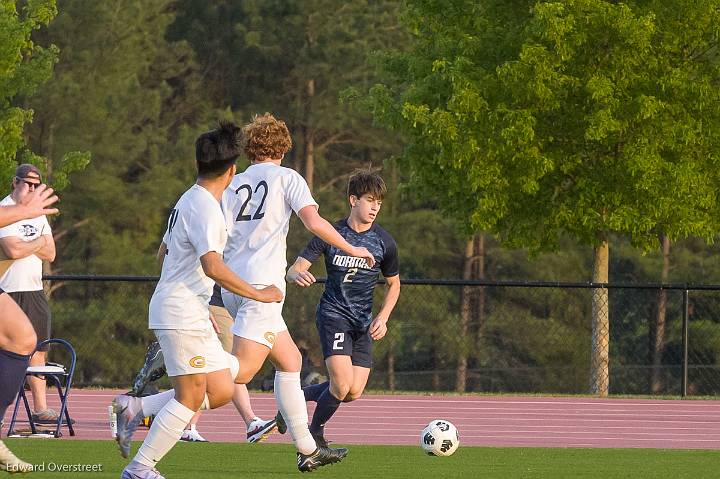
(259, 213)
(350, 274)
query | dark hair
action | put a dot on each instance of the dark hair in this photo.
(217, 150)
(364, 182)
(266, 136)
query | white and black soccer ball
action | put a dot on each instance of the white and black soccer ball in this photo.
(440, 438)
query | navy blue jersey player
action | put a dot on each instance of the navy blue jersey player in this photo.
(344, 316)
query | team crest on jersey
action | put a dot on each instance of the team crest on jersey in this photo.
(28, 230)
(270, 337)
(349, 262)
(197, 362)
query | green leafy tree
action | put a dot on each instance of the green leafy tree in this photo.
(586, 117)
(293, 58)
(24, 66)
(123, 91)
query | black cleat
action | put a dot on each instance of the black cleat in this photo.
(152, 370)
(321, 457)
(280, 421)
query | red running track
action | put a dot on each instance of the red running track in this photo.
(481, 420)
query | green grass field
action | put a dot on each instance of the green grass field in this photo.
(223, 460)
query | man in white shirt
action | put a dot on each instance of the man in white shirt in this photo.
(259, 203)
(200, 370)
(17, 336)
(29, 242)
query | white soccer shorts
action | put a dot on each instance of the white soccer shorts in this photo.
(256, 321)
(191, 351)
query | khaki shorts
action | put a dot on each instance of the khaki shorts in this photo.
(256, 321)
(191, 351)
(225, 323)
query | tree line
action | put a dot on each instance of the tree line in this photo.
(518, 142)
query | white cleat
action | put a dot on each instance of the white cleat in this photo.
(9, 462)
(192, 435)
(129, 416)
(135, 470)
(259, 429)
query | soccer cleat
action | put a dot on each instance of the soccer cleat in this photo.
(135, 470)
(321, 457)
(281, 425)
(129, 415)
(259, 430)
(10, 463)
(192, 435)
(152, 370)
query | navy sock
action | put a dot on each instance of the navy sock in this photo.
(327, 404)
(12, 372)
(313, 392)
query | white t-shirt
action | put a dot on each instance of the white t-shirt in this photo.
(196, 226)
(24, 274)
(258, 203)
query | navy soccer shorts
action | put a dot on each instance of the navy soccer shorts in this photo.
(339, 338)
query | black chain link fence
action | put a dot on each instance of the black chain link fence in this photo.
(455, 336)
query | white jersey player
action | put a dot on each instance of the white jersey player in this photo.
(259, 203)
(201, 371)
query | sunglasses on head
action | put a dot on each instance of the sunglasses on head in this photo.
(29, 183)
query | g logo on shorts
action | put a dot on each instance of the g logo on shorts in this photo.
(270, 337)
(197, 362)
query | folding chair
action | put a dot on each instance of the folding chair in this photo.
(61, 378)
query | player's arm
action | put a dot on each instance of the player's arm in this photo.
(15, 248)
(47, 252)
(162, 252)
(34, 204)
(216, 269)
(321, 228)
(378, 327)
(299, 273)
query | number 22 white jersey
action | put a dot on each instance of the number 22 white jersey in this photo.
(260, 201)
(196, 226)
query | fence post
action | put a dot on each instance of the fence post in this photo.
(684, 379)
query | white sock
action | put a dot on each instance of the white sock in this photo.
(291, 402)
(234, 365)
(205, 404)
(165, 431)
(151, 405)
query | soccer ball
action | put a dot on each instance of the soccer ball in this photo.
(440, 438)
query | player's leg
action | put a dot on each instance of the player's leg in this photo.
(251, 355)
(291, 402)
(313, 392)
(168, 425)
(340, 370)
(17, 342)
(348, 357)
(288, 393)
(362, 362)
(360, 379)
(211, 387)
(188, 353)
(257, 429)
(337, 347)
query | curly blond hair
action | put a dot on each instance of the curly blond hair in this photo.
(266, 136)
